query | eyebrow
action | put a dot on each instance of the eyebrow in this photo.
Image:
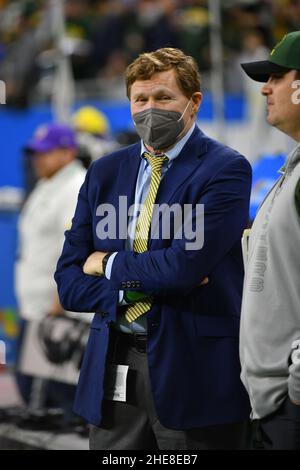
(158, 92)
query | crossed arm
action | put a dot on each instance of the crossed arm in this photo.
(81, 284)
(93, 266)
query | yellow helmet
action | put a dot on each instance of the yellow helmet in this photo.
(89, 119)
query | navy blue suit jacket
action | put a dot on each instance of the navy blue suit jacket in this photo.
(193, 330)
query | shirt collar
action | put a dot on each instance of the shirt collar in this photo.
(291, 161)
(174, 151)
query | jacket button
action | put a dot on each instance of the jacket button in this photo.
(104, 314)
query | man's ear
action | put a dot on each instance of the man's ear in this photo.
(196, 100)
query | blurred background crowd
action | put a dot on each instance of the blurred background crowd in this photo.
(103, 36)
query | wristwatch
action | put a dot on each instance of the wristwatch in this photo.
(104, 262)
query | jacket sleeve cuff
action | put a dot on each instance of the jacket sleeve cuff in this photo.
(109, 265)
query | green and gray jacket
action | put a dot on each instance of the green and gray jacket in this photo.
(270, 319)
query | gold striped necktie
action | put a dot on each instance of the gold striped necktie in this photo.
(142, 231)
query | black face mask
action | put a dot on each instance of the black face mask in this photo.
(159, 128)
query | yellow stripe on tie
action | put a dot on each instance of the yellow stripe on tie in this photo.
(142, 230)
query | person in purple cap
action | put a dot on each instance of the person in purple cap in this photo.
(45, 216)
(52, 147)
(270, 319)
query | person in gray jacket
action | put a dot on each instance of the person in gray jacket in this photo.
(270, 325)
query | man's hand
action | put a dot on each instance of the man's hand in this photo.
(295, 402)
(56, 308)
(204, 281)
(93, 265)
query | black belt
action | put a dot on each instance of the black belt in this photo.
(135, 340)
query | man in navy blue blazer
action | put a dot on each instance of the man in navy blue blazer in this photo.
(154, 250)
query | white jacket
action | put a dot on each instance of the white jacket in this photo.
(45, 216)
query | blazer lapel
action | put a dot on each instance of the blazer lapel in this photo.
(126, 184)
(183, 166)
(128, 172)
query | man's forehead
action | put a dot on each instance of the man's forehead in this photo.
(161, 80)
